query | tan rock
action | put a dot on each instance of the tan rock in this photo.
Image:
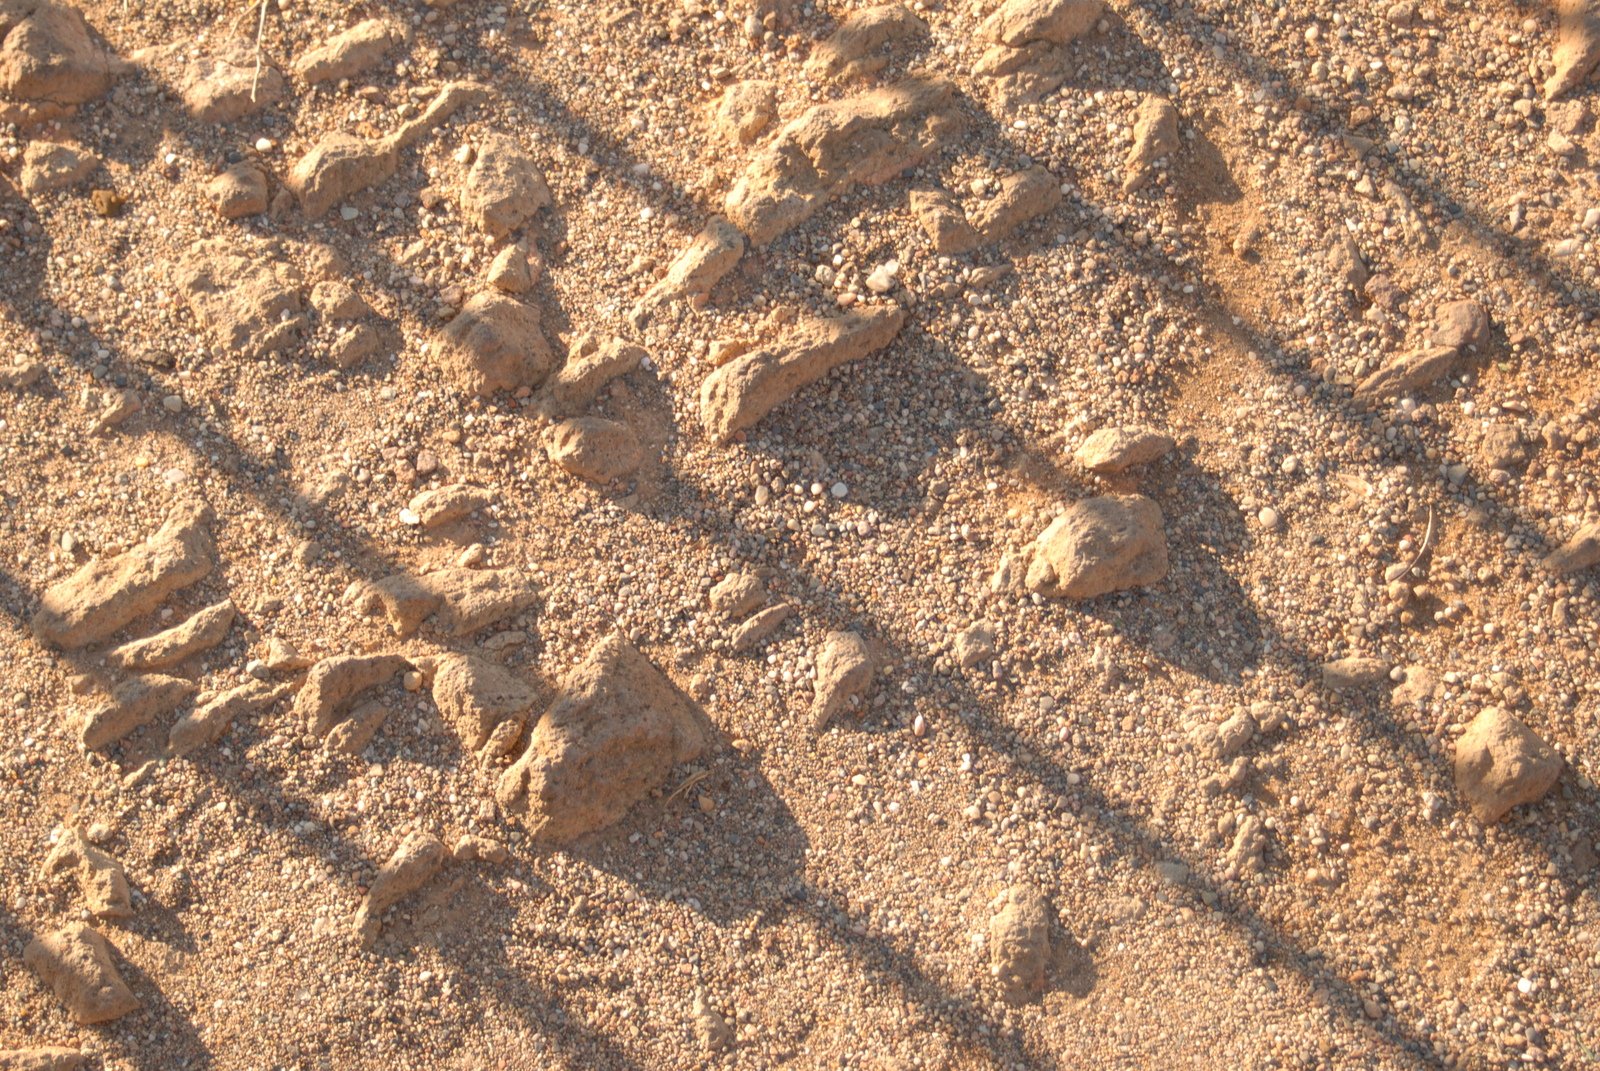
(460, 600)
(248, 297)
(48, 54)
(844, 673)
(736, 594)
(1118, 448)
(1356, 671)
(1019, 944)
(75, 962)
(337, 301)
(860, 45)
(590, 365)
(1100, 545)
(356, 50)
(702, 264)
(595, 449)
(453, 502)
(132, 705)
(1022, 197)
(227, 86)
(512, 271)
(239, 191)
(505, 187)
(413, 865)
(1409, 372)
(1577, 48)
(201, 632)
(477, 697)
(1155, 138)
(1579, 552)
(495, 343)
(356, 729)
(100, 877)
(745, 110)
(50, 166)
(1016, 23)
(334, 682)
(51, 1058)
(1462, 325)
(758, 627)
(1501, 763)
(205, 724)
(944, 223)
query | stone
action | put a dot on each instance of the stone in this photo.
(477, 697)
(1577, 47)
(512, 271)
(1345, 260)
(844, 673)
(860, 45)
(736, 594)
(495, 343)
(1501, 763)
(1349, 674)
(614, 732)
(226, 87)
(108, 593)
(413, 864)
(1100, 545)
(1117, 448)
(248, 297)
(331, 685)
(1579, 552)
(504, 188)
(207, 722)
(132, 705)
(745, 110)
(353, 52)
(1155, 138)
(21, 375)
(974, 645)
(239, 191)
(1019, 944)
(100, 877)
(355, 344)
(590, 366)
(352, 734)
(833, 147)
(711, 1030)
(50, 1058)
(460, 600)
(50, 166)
(1461, 325)
(943, 222)
(1023, 196)
(594, 449)
(200, 632)
(1411, 371)
(453, 502)
(747, 388)
(758, 627)
(1501, 447)
(1017, 23)
(711, 255)
(49, 55)
(337, 301)
(75, 962)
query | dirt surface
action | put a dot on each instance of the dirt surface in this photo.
(340, 774)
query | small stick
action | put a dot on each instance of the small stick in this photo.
(261, 31)
(689, 783)
(1427, 538)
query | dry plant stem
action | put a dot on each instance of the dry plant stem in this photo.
(261, 30)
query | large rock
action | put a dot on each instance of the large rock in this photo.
(614, 732)
(590, 365)
(75, 962)
(495, 343)
(132, 705)
(205, 724)
(226, 86)
(1501, 764)
(1027, 58)
(1100, 545)
(239, 191)
(1023, 196)
(1412, 370)
(108, 593)
(48, 55)
(51, 166)
(505, 187)
(459, 600)
(833, 147)
(333, 684)
(249, 298)
(747, 388)
(1577, 48)
(1019, 944)
(50, 1058)
(746, 109)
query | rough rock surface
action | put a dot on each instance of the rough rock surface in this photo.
(616, 729)
(1118, 448)
(1577, 48)
(201, 632)
(1027, 59)
(860, 45)
(844, 673)
(48, 55)
(205, 724)
(347, 54)
(1579, 552)
(100, 877)
(51, 1058)
(130, 706)
(946, 226)
(590, 365)
(1100, 545)
(495, 343)
(1501, 763)
(50, 166)
(746, 109)
(239, 191)
(75, 962)
(477, 697)
(332, 683)
(505, 187)
(1023, 196)
(832, 147)
(1019, 944)
(108, 593)
(413, 865)
(1155, 138)
(709, 256)
(1356, 671)
(1458, 327)
(460, 600)
(594, 448)
(249, 298)
(439, 506)
(226, 87)
(747, 388)
(736, 594)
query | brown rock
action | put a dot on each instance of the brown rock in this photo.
(1462, 325)
(239, 191)
(200, 632)
(860, 45)
(1348, 674)
(844, 673)
(333, 682)
(337, 301)
(736, 595)
(47, 54)
(1118, 448)
(413, 865)
(51, 1058)
(75, 962)
(132, 705)
(356, 730)
(1577, 48)
(595, 449)
(590, 365)
(702, 264)
(944, 223)
(347, 54)
(226, 87)
(495, 343)
(1579, 552)
(1155, 137)
(448, 504)
(1100, 545)
(758, 627)
(249, 297)
(1019, 944)
(49, 166)
(1409, 372)
(505, 187)
(1023, 196)
(205, 724)
(746, 109)
(512, 271)
(1023, 22)
(1501, 764)
(477, 697)
(100, 877)
(460, 600)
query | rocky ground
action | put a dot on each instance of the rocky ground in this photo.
(757, 534)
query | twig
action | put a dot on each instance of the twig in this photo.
(261, 31)
(1427, 538)
(689, 782)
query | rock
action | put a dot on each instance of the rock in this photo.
(616, 729)
(108, 593)
(1579, 552)
(52, 1058)
(860, 45)
(472, 848)
(249, 298)
(1410, 371)
(589, 367)
(356, 730)
(758, 627)
(1236, 731)
(1577, 48)
(206, 723)
(844, 673)
(100, 878)
(354, 345)
(702, 264)
(1246, 854)
(460, 600)
(336, 301)
(120, 405)
(747, 388)
(1461, 325)
(1501, 764)
(974, 645)
(1155, 138)
(48, 166)
(1344, 259)
(21, 375)
(48, 55)
(75, 962)
(495, 343)
(1348, 674)
(477, 697)
(448, 504)
(225, 87)
(1017, 23)
(1115, 449)
(594, 449)
(745, 110)
(504, 189)
(711, 1030)
(201, 632)
(1019, 944)
(835, 146)
(239, 191)
(1420, 686)
(944, 223)
(341, 165)
(132, 705)
(347, 54)
(736, 594)
(1100, 545)
(333, 682)
(413, 865)
(284, 657)
(511, 271)
(1501, 447)
(1023, 196)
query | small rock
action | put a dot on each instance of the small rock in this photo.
(595, 449)
(1115, 449)
(47, 167)
(1019, 944)
(1348, 674)
(736, 594)
(239, 191)
(75, 962)
(844, 673)
(1501, 763)
(413, 864)
(1100, 545)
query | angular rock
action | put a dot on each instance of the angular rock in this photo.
(21, 375)
(446, 505)
(1410, 371)
(333, 682)
(1462, 325)
(512, 271)
(744, 390)
(200, 632)
(337, 301)
(226, 87)
(833, 147)
(1579, 552)
(205, 724)
(354, 345)
(347, 54)
(944, 223)
(495, 343)
(356, 730)
(746, 109)
(1017, 23)
(1023, 196)
(860, 45)
(460, 600)
(505, 187)
(702, 264)
(49, 166)
(736, 595)
(616, 729)
(249, 298)
(1155, 137)
(100, 877)
(108, 593)
(1019, 944)
(1348, 674)
(239, 191)
(844, 673)
(75, 962)
(1100, 545)
(1501, 763)
(590, 366)
(132, 704)
(50, 1058)
(974, 645)
(48, 55)
(1024, 75)
(1577, 48)
(477, 697)
(758, 627)
(595, 449)
(1118, 448)
(1344, 258)
(413, 865)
